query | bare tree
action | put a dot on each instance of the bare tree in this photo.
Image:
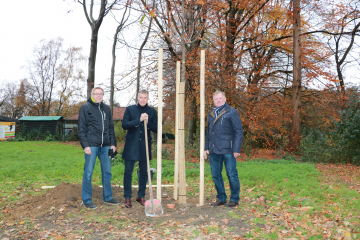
(69, 75)
(54, 74)
(140, 56)
(95, 26)
(343, 43)
(119, 28)
(42, 72)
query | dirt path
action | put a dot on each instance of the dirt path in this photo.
(59, 214)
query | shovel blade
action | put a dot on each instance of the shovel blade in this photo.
(153, 208)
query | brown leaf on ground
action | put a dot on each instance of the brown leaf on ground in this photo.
(225, 221)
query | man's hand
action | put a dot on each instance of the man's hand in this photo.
(206, 152)
(143, 117)
(87, 150)
(113, 148)
(236, 154)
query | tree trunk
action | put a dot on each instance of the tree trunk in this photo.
(139, 60)
(112, 75)
(92, 60)
(192, 122)
(295, 133)
(95, 26)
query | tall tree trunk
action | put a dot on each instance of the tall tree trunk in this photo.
(95, 26)
(139, 59)
(112, 75)
(295, 133)
(92, 60)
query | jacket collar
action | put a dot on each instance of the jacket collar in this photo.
(224, 110)
(137, 104)
(94, 103)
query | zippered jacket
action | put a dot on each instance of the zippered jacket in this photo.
(224, 132)
(96, 127)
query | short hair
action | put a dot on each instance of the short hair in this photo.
(144, 91)
(92, 91)
(218, 92)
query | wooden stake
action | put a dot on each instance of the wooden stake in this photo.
(181, 154)
(160, 115)
(176, 167)
(202, 125)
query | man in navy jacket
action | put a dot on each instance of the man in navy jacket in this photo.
(134, 149)
(97, 136)
(223, 144)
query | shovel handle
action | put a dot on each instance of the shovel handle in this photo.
(148, 164)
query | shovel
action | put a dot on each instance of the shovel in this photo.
(152, 206)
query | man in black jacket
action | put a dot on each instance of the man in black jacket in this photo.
(223, 144)
(97, 136)
(134, 149)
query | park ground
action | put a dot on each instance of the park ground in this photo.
(264, 212)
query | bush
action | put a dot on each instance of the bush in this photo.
(341, 143)
(120, 133)
(315, 147)
(346, 135)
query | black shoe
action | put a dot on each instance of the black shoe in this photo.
(231, 204)
(112, 202)
(218, 203)
(90, 206)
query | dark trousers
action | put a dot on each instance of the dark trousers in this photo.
(129, 167)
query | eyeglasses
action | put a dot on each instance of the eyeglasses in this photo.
(99, 94)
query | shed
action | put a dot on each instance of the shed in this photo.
(43, 124)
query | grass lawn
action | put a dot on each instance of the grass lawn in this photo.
(283, 198)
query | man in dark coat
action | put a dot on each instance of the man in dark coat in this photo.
(223, 144)
(97, 136)
(134, 149)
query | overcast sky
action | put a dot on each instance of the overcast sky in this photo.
(25, 22)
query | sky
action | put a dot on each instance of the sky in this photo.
(26, 22)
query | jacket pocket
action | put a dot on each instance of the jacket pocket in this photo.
(226, 143)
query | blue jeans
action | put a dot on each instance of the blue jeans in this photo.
(129, 167)
(216, 163)
(86, 191)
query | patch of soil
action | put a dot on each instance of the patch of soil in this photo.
(65, 200)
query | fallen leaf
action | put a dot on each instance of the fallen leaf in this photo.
(305, 209)
(225, 221)
(328, 224)
(249, 190)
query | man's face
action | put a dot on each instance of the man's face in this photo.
(143, 99)
(219, 100)
(97, 95)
